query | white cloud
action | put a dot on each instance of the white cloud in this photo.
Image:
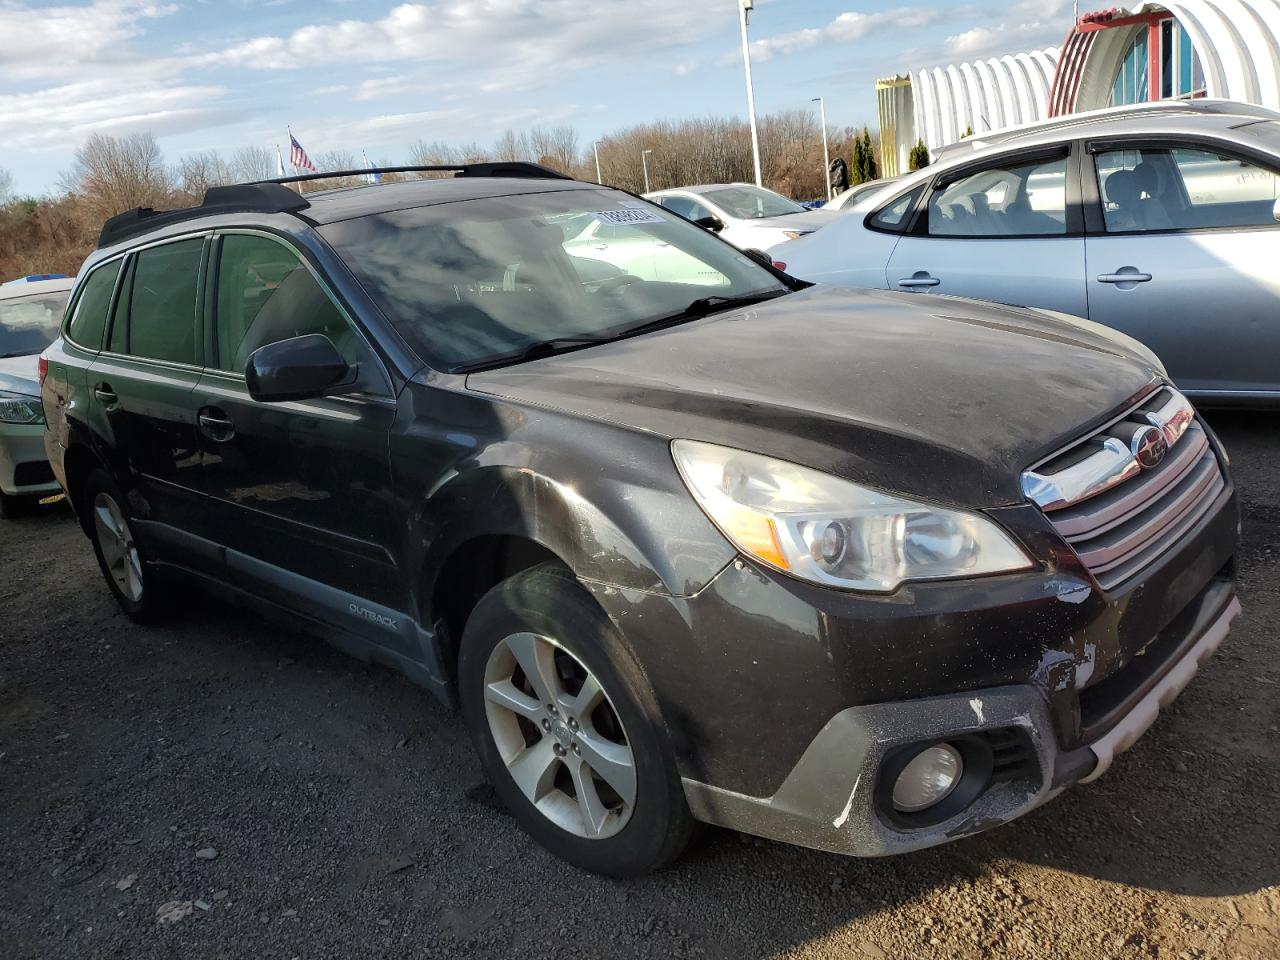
(558, 35)
(1004, 38)
(64, 116)
(51, 41)
(845, 28)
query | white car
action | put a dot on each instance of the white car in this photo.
(854, 195)
(749, 217)
(30, 315)
(1160, 221)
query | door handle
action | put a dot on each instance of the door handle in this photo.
(1122, 277)
(919, 279)
(215, 425)
(106, 396)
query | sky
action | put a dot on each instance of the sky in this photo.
(377, 76)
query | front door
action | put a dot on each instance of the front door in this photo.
(1182, 255)
(140, 390)
(1003, 232)
(301, 491)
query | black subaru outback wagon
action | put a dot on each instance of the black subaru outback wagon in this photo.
(686, 539)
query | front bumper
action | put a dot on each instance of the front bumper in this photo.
(24, 464)
(836, 798)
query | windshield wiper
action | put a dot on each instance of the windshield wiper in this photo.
(534, 351)
(702, 307)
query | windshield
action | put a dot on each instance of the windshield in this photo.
(29, 324)
(752, 203)
(484, 279)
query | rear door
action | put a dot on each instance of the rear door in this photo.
(140, 388)
(1007, 229)
(299, 492)
(1182, 255)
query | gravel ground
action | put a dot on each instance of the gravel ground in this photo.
(219, 787)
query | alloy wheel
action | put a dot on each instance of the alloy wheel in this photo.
(559, 735)
(119, 553)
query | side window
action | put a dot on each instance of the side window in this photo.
(893, 217)
(90, 318)
(1016, 200)
(161, 319)
(266, 294)
(1183, 189)
(689, 209)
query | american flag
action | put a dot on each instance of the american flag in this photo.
(298, 157)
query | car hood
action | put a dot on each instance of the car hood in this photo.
(810, 220)
(21, 375)
(935, 397)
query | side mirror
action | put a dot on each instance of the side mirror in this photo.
(712, 223)
(1275, 210)
(759, 256)
(300, 368)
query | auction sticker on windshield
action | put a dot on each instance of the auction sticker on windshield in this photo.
(623, 218)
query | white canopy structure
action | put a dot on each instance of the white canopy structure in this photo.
(1227, 49)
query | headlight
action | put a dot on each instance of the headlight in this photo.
(833, 532)
(15, 408)
(796, 234)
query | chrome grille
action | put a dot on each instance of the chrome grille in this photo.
(1118, 515)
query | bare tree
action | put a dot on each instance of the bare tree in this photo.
(114, 174)
(197, 172)
(6, 185)
(249, 164)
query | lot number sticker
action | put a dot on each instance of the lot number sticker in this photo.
(625, 218)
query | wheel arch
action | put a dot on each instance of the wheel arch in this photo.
(472, 569)
(78, 462)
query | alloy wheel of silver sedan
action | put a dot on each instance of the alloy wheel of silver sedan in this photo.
(559, 735)
(115, 539)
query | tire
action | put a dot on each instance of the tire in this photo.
(121, 561)
(12, 507)
(544, 618)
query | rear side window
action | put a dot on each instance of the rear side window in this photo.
(161, 319)
(90, 317)
(266, 294)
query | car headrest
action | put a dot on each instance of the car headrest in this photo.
(1122, 188)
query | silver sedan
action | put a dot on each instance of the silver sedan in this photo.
(1161, 221)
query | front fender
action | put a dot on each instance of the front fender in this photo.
(606, 500)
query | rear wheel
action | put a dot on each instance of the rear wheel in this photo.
(12, 507)
(119, 557)
(567, 729)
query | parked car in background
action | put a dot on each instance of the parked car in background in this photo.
(749, 217)
(830, 566)
(30, 314)
(1158, 221)
(855, 195)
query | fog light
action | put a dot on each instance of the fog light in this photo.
(928, 779)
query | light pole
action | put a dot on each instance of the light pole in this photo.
(595, 146)
(826, 151)
(744, 6)
(644, 160)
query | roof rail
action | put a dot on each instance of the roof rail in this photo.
(1204, 107)
(516, 169)
(237, 198)
(272, 196)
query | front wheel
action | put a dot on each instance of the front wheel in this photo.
(567, 729)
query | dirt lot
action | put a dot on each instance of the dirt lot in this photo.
(290, 802)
